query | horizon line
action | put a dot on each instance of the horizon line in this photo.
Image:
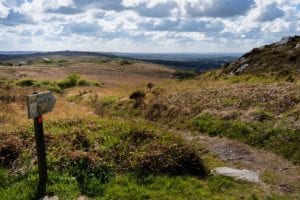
(119, 52)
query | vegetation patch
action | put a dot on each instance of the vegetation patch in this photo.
(70, 81)
(95, 150)
(267, 134)
(181, 74)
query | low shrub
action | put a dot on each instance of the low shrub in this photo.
(90, 177)
(139, 97)
(110, 100)
(70, 81)
(54, 88)
(83, 82)
(3, 178)
(174, 159)
(125, 62)
(6, 64)
(26, 82)
(179, 74)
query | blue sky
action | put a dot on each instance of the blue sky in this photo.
(197, 26)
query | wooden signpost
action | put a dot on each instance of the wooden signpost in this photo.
(37, 105)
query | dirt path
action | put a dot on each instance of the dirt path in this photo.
(276, 173)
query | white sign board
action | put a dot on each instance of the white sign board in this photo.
(40, 103)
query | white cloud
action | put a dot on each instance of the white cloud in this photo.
(146, 25)
(217, 8)
(3, 10)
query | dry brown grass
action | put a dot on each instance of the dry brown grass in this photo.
(275, 98)
(112, 74)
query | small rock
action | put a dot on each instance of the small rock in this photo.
(83, 198)
(237, 174)
(50, 198)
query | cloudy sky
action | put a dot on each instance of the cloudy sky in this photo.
(146, 25)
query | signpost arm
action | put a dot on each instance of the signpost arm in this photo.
(41, 155)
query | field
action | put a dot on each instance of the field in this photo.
(162, 144)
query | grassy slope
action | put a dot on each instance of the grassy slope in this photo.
(260, 111)
(102, 158)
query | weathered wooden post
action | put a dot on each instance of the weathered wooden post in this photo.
(37, 105)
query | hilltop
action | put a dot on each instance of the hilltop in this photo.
(281, 58)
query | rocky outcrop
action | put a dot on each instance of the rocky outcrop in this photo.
(280, 58)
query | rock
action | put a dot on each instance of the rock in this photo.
(83, 198)
(284, 41)
(297, 46)
(242, 68)
(237, 174)
(50, 198)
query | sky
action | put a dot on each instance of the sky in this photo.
(146, 26)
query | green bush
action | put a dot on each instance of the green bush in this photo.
(180, 74)
(107, 101)
(54, 88)
(26, 82)
(6, 64)
(125, 62)
(83, 82)
(3, 178)
(91, 178)
(70, 81)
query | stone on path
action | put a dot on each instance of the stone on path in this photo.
(244, 174)
(50, 198)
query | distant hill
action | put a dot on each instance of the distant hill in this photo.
(184, 61)
(280, 58)
(195, 62)
(6, 56)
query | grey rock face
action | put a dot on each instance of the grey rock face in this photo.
(245, 175)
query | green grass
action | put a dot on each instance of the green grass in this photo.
(129, 186)
(105, 158)
(277, 137)
(110, 100)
